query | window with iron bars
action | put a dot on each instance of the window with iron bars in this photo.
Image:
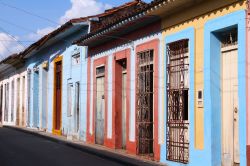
(144, 109)
(177, 102)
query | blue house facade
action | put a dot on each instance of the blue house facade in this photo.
(48, 93)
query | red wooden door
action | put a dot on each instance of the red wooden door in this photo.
(58, 96)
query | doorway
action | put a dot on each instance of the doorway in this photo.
(12, 101)
(6, 103)
(100, 105)
(58, 96)
(18, 102)
(145, 99)
(29, 97)
(124, 106)
(120, 103)
(77, 106)
(177, 101)
(23, 100)
(36, 98)
(229, 99)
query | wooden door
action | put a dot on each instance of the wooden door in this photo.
(100, 111)
(58, 95)
(230, 116)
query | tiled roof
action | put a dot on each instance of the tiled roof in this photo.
(103, 17)
(138, 9)
(50, 35)
(104, 20)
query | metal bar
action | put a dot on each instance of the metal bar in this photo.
(177, 122)
(144, 109)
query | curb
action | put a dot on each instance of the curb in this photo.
(118, 158)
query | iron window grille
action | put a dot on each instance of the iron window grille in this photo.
(144, 109)
(177, 102)
(229, 38)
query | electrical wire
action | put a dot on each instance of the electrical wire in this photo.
(13, 37)
(2, 56)
(28, 41)
(28, 12)
(18, 26)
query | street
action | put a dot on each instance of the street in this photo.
(22, 149)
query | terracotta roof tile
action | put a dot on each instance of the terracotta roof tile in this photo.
(104, 17)
(139, 8)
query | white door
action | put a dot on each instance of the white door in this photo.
(100, 110)
(230, 113)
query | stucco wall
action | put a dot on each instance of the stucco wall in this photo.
(46, 81)
(73, 74)
(200, 146)
(109, 54)
(17, 103)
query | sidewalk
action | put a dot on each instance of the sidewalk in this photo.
(97, 150)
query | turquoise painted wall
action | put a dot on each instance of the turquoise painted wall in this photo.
(73, 73)
(211, 78)
(64, 48)
(185, 34)
(211, 154)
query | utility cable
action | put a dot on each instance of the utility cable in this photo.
(18, 26)
(28, 12)
(13, 37)
(8, 50)
(27, 41)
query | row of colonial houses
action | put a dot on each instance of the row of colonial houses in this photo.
(168, 81)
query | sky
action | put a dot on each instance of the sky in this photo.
(22, 22)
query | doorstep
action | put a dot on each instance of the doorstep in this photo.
(119, 156)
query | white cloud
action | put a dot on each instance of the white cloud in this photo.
(8, 45)
(79, 8)
(40, 33)
(83, 8)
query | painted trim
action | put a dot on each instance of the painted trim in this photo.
(124, 54)
(98, 62)
(193, 153)
(212, 139)
(154, 45)
(54, 131)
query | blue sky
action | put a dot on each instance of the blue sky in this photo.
(18, 25)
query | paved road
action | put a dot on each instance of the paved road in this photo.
(21, 149)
